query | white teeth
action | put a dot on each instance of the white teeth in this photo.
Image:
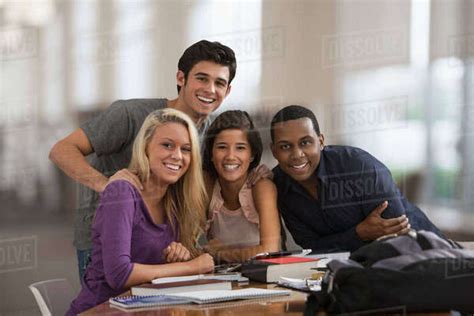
(299, 166)
(203, 99)
(173, 167)
(230, 167)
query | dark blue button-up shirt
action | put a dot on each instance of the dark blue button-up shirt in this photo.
(351, 183)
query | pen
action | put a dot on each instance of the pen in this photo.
(276, 254)
(267, 255)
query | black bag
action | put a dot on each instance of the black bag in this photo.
(415, 272)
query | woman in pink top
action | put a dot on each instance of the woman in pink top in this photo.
(242, 220)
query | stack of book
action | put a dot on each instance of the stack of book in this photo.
(269, 270)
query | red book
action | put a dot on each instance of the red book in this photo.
(286, 260)
(270, 270)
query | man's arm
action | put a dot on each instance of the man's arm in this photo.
(379, 186)
(307, 238)
(104, 134)
(69, 154)
(373, 227)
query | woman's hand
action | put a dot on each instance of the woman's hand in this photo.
(257, 174)
(176, 252)
(204, 263)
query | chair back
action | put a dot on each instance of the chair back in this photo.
(53, 296)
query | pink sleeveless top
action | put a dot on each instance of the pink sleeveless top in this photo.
(236, 228)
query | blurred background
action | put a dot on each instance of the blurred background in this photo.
(392, 77)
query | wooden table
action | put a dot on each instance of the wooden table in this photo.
(288, 305)
(283, 305)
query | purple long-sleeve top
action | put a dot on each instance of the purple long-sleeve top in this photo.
(123, 233)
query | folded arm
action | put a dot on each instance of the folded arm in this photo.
(372, 227)
(308, 239)
(142, 273)
(379, 186)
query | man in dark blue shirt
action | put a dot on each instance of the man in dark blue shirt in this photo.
(334, 197)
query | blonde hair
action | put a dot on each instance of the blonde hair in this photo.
(185, 201)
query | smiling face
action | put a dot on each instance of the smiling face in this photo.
(231, 155)
(169, 153)
(297, 148)
(204, 90)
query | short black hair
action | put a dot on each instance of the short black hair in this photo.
(207, 51)
(293, 112)
(234, 119)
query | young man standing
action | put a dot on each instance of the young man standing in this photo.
(334, 198)
(205, 71)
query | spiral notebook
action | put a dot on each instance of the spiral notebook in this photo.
(212, 296)
(146, 301)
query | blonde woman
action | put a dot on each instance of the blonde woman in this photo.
(141, 235)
